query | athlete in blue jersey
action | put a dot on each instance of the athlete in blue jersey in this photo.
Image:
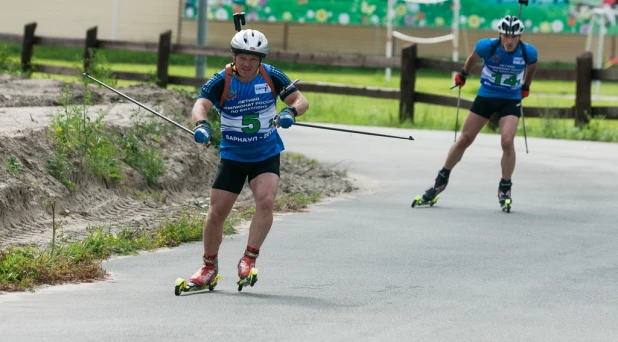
(245, 95)
(509, 65)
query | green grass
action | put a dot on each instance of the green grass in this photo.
(357, 110)
(428, 81)
(24, 268)
(12, 166)
(183, 65)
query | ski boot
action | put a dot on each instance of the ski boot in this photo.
(431, 195)
(247, 273)
(205, 278)
(504, 195)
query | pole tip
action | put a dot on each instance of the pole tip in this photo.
(411, 138)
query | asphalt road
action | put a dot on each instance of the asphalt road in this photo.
(369, 267)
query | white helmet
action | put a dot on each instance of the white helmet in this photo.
(250, 41)
(511, 25)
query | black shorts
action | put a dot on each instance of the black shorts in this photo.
(231, 175)
(486, 106)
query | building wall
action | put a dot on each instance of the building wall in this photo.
(136, 20)
(140, 20)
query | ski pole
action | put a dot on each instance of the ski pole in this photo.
(521, 3)
(351, 131)
(139, 104)
(523, 121)
(457, 116)
(524, 124)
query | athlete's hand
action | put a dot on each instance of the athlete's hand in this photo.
(525, 91)
(460, 78)
(202, 133)
(287, 117)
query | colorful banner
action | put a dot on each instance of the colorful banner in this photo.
(547, 16)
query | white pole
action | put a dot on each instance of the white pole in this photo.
(114, 19)
(390, 15)
(455, 29)
(202, 28)
(590, 29)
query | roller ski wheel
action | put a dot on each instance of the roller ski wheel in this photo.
(506, 206)
(249, 280)
(183, 286)
(418, 201)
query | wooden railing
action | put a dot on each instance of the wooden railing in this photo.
(408, 64)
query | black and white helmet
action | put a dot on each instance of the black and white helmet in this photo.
(511, 25)
(251, 42)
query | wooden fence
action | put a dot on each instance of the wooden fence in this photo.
(408, 64)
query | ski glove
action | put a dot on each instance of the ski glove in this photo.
(460, 78)
(525, 91)
(202, 133)
(287, 117)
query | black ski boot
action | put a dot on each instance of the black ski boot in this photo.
(504, 195)
(431, 195)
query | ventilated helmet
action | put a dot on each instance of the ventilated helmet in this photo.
(511, 25)
(250, 41)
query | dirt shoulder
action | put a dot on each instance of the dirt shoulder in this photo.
(26, 107)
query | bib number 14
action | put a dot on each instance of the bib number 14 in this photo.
(512, 80)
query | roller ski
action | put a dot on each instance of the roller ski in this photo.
(206, 277)
(247, 273)
(504, 195)
(432, 194)
(183, 286)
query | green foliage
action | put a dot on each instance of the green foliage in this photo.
(597, 130)
(356, 110)
(12, 166)
(296, 201)
(138, 149)
(26, 267)
(8, 64)
(99, 68)
(60, 168)
(297, 156)
(76, 137)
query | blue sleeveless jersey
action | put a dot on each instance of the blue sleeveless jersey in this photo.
(503, 72)
(248, 131)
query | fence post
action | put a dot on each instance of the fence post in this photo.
(583, 92)
(27, 47)
(406, 86)
(91, 44)
(163, 58)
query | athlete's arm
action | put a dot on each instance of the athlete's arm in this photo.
(200, 110)
(210, 92)
(471, 62)
(530, 71)
(298, 101)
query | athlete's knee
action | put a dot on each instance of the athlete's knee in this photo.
(265, 201)
(507, 143)
(216, 215)
(465, 140)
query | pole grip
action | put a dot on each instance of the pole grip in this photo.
(239, 19)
